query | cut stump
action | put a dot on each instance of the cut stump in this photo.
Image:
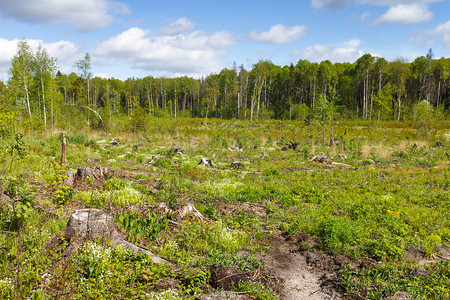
(92, 224)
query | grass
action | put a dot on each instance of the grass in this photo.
(394, 202)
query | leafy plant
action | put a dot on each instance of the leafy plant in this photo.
(138, 227)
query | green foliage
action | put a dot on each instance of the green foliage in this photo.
(257, 290)
(116, 191)
(371, 283)
(245, 262)
(6, 122)
(424, 114)
(16, 149)
(63, 194)
(93, 260)
(22, 200)
(337, 233)
(193, 280)
(138, 227)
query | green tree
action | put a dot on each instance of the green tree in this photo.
(383, 99)
(44, 72)
(84, 67)
(21, 72)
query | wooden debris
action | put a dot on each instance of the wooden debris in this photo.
(237, 165)
(321, 159)
(152, 161)
(181, 212)
(96, 172)
(290, 145)
(341, 156)
(204, 162)
(236, 149)
(324, 159)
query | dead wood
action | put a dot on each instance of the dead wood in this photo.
(93, 224)
(178, 151)
(321, 159)
(324, 159)
(152, 161)
(341, 156)
(342, 165)
(290, 145)
(96, 172)
(206, 162)
(237, 165)
(236, 149)
(181, 212)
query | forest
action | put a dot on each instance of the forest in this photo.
(308, 181)
(371, 88)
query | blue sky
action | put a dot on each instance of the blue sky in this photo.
(195, 38)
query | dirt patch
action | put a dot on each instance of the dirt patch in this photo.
(296, 279)
(256, 209)
(228, 277)
(419, 258)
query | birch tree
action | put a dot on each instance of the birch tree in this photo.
(21, 72)
(44, 70)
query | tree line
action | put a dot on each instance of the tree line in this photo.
(371, 88)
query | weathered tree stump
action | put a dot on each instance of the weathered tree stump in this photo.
(92, 224)
(181, 212)
(96, 172)
(237, 165)
(321, 159)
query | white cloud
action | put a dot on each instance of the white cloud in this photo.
(179, 26)
(330, 4)
(279, 34)
(84, 15)
(396, 2)
(364, 16)
(194, 53)
(341, 4)
(65, 52)
(427, 37)
(444, 30)
(348, 52)
(405, 14)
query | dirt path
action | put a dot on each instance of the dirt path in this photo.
(296, 280)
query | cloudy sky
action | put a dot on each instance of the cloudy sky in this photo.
(195, 38)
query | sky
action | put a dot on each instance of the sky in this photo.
(195, 38)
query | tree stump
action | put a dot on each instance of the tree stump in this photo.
(181, 212)
(237, 165)
(321, 159)
(92, 224)
(96, 172)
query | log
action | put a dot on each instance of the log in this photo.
(92, 224)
